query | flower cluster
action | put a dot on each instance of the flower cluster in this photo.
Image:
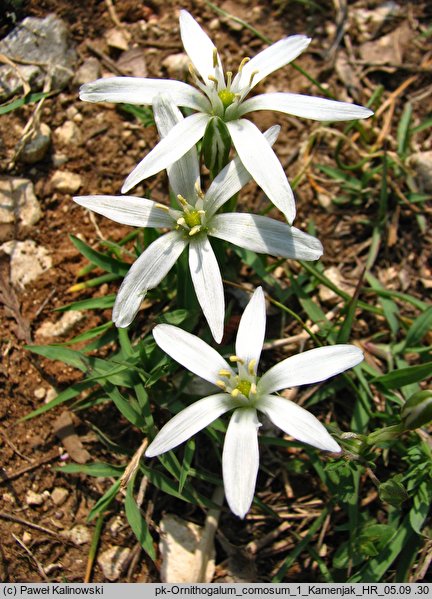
(218, 102)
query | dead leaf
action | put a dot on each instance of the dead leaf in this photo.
(64, 430)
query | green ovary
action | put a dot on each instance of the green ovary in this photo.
(193, 219)
(226, 97)
(244, 387)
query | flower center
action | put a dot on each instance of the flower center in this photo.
(192, 220)
(227, 97)
(241, 386)
(244, 387)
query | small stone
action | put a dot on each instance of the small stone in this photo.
(18, 206)
(68, 134)
(39, 393)
(59, 495)
(335, 276)
(88, 71)
(56, 329)
(36, 149)
(79, 534)
(177, 65)
(8, 498)
(178, 542)
(26, 538)
(27, 261)
(33, 498)
(50, 395)
(59, 159)
(113, 562)
(421, 163)
(66, 182)
(133, 62)
(116, 38)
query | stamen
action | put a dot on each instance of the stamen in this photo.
(252, 76)
(182, 200)
(235, 393)
(162, 207)
(195, 229)
(236, 359)
(198, 189)
(243, 62)
(253, 388)
(215, 58)
(201, 212)
(224, 372)
(251, 367)
(192, 71)
(221, 384)
(213, 79)
(229, 79)
(181, 221)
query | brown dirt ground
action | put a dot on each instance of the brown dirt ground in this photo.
(30, 450)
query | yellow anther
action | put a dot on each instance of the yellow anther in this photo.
(243, 62)
(162, 207)
(195, 229)
(251, 367)
(192, 71)
(181, 221)
(224, 372)
(221, 384)
(213, 79)
(182, 200)
(253, 389)
(252, 76)
(236, 359)
(215, 58)
(229, 79)
(198, 189)
(201, 212)
(235, 393)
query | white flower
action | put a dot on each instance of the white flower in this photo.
(245, 392)
(224, 97)
(191, 225)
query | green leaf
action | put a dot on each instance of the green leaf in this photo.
(137, 522)
(403, 131)
(124, 406)
(419, 328)
(71, 357)
(421, 506)
(29, 99)
(405, 376)
(390, 308)
(91, 333)
(186, 464)
(98, 469)
(111, 265)
(92, 303)
(65, 395)
(103, 502)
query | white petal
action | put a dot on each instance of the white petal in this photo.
(137, 90)
(240, 460)
(127, 210)
(309, 107)
(146, 273)
(188, 422)
(269, 60)
(265, 235)
(172, 147)
(251, 330)
(191, 352)
(259, 159)
(310, 367)
(184, 173)
(232, 178)
(208, 285)
(198, 46)
(297, 422)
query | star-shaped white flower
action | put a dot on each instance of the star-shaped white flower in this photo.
(220, 95)
(191, 225)
(245, 392)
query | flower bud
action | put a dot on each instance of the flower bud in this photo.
(392, 492)
(417, 410)
(216, 145)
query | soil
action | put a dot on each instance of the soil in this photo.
(33, 548)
